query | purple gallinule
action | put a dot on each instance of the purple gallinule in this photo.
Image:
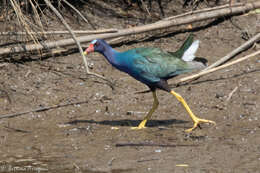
(153, 67)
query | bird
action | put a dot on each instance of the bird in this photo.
(153, 67)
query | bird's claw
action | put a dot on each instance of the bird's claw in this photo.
(197, 122)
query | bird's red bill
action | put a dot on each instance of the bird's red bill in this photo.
(90, 49)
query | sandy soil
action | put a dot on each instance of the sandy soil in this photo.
(78, 138)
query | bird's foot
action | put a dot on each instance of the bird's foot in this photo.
(140, 126)
(197, 121)
(137, 128)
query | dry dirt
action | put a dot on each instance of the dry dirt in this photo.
(79, 138)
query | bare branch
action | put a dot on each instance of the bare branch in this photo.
(236, 51)
(77, 11)
(75, 40)
(41, 109)
(101, 31)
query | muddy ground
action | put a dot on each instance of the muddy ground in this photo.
(79, 138)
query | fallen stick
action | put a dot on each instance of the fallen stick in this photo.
(75, 40)
(236, 51)
(151, 145)
(101, 31)
(140, 29)
(231, 93)
(71, 50)
(41, 109)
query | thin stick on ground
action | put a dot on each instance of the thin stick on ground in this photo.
(152, 145)
(42, 109)
(75, 40)
(231, 93)
(101, 31)
(236, 51)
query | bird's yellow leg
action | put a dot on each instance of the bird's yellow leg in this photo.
(149, 115)
(195, 119)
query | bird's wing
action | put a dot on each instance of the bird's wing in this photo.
(155, 64)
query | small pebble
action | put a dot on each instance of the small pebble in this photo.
(242, 116)
(107, 147)
(158, 151)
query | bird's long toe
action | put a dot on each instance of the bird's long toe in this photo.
(137, 128)
(198, 121)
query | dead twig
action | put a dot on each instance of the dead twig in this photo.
(16, 130)
(74, 50)
(42, 109)
(77, 11)
(152, 145)
(148, 160)
(231, 93)
(48, 3)
(101, 31)
(24, 22)
(202, 10)
(145, 7)
(236, 51)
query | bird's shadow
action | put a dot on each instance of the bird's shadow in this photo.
(130, 123)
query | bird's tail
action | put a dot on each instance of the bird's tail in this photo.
(188, 49)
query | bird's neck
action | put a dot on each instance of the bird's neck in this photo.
(110, 54)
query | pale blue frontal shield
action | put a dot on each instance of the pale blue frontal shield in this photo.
(94, 41)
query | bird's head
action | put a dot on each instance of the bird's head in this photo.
(97, 45)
